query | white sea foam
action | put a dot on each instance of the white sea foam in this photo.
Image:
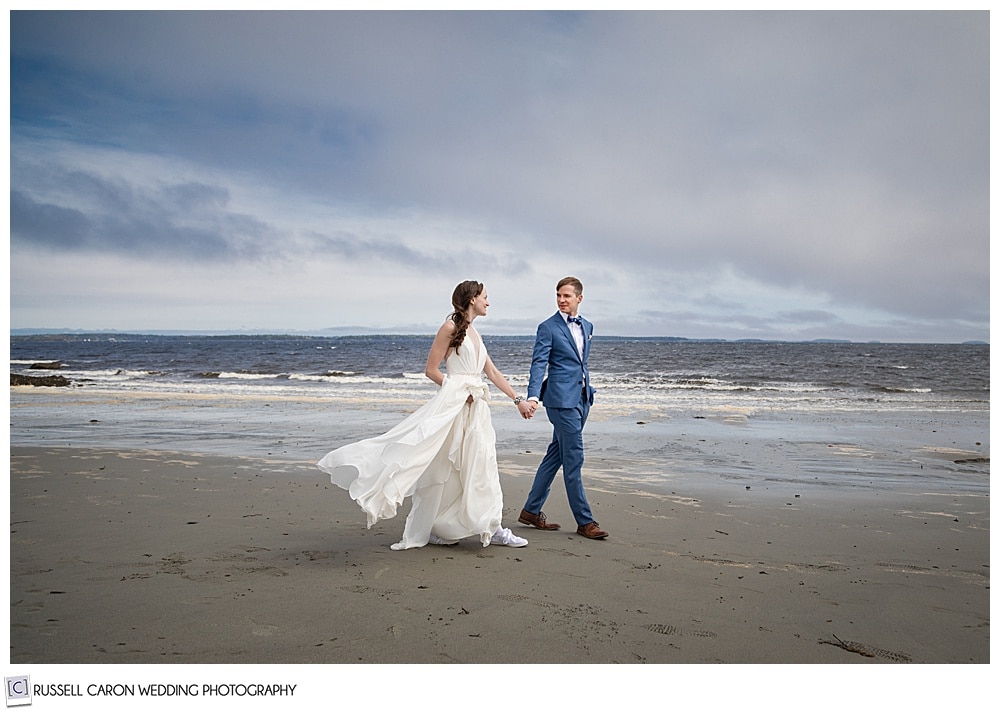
(250, 376)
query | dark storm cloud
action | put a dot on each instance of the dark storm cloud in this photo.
(354, 249)
(183, 222)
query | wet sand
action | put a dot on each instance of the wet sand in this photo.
(139, 557)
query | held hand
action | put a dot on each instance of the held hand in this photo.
(526, 409)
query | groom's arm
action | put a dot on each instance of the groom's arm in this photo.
(539, 360)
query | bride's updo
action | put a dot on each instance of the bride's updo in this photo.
(461, 299)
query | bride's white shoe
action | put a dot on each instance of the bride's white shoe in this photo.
(505, 537)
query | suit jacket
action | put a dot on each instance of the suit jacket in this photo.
(555, 353)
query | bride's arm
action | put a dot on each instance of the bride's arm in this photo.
(496, 377)
(526, 408)
(439, 349)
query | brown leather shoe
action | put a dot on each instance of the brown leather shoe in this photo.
(537, 520)
(591, 530)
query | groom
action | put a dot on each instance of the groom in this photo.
(562, 345)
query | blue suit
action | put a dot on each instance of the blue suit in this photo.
(567, 396)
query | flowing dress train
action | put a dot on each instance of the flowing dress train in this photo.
(443, 455)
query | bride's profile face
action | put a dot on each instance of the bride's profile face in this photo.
(479, 304)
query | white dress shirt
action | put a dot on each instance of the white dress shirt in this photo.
(577, 330)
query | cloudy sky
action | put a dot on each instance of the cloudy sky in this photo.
(731, 175)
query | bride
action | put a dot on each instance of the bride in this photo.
(444, 454)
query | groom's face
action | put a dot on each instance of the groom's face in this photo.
(568, 300)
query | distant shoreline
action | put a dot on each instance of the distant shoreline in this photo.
(351, 332)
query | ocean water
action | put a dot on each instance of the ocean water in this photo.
(740, 410)
(629, 374)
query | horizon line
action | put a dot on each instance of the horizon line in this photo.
(334, 332)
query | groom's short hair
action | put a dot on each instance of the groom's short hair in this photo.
(571, 281)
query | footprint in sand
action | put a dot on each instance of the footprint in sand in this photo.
(259, 629)
(671, 630)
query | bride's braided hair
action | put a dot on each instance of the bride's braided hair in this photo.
(461, 298)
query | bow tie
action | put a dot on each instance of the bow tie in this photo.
(574, 319)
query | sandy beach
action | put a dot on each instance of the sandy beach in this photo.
(144, 557)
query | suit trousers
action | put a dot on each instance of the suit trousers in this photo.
(566, 451)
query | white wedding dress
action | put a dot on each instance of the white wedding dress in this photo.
(443, 455)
